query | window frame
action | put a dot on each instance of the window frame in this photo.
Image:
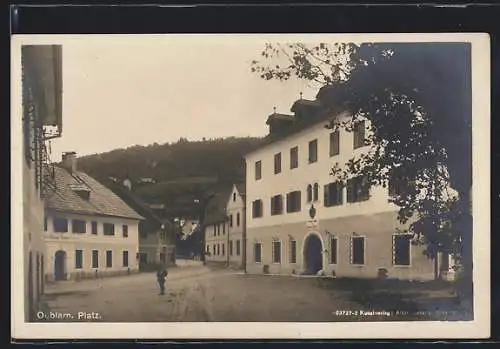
(259, 245)
(106, 224)
(394, 237)
(330, 261)
(292, 251)
(125, 253)
(359, 127)
(55, 220)
(294, 208)
(277, 163)
(273, 254)
(79, 252)
(109, 258)
(352, 238)
(294, 157)
(334, 143)
(313, 146)
(75, 224)
(258, 170)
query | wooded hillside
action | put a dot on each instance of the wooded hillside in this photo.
(180, 170)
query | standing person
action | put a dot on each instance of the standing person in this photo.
(161, 276)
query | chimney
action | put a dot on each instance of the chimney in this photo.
(69, 161)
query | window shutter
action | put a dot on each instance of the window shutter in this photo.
(326, 197)
(340, 192)
(350, 190)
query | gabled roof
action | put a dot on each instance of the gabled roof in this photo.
(241, 188)
(101, 202)
(136, 203)
(216, 208)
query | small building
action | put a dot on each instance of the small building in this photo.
(42, 120)
(156, 236)
(235, 209)
(216, 226)
(89, 231)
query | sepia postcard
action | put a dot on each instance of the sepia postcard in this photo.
(250, 186)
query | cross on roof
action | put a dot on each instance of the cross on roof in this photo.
(274, 109)
(301, 95)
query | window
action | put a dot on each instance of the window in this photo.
(238, 247)
(95, 259)
(234, 196)
(257, 209)
(238, 219)
(78, 259)
(60, 225)
(258, 170)
(125, 231)
(230, 247)
(309, 193)
(109, 259)
(125, 258)
(218, 229)
(358, 189)
(315, 192)
(45, 224)
(313, 151)
(94, 228)
(333, 194)
(293, 251)
(401, 249)
(333, 250)
(276, 205)
(277, 163)
(224, 228)
(359, 134)
(78, 226)
(231, 220)
(294, 157)
(293, 201)
(218, 249)
(109, 229)
(334, 143)
(215, 230)
(214, 250)
(257, 252)
(223, 249)
(277, 252)
(358, 250)
(397, 185)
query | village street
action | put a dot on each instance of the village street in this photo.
(196, 293)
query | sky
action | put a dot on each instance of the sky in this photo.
(123, 92)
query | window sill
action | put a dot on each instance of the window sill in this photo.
(401, 266)
(358, 265)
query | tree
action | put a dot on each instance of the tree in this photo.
(416, 98)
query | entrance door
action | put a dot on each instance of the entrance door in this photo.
(60, 265)
(313, 256)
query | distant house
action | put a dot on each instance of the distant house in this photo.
(235, 209)
(89, 230)
(224, 227)
(156, 236)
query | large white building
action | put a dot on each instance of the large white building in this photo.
(42, 119)
(300, 220)
(89, 231)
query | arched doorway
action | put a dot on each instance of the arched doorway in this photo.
(313, 254)
(60, 265)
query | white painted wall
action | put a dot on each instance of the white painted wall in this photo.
(298, 178)
(69, 242)
(211, 239)
(235, 206)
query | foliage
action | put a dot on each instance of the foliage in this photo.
(416, 100)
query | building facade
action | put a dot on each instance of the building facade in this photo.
(299, 220)
(89, 231)
(235, 209)
(216, 227)
(42, 120)
(156, 236)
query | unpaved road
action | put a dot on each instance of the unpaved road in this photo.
(194, 294)
(200, 294)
